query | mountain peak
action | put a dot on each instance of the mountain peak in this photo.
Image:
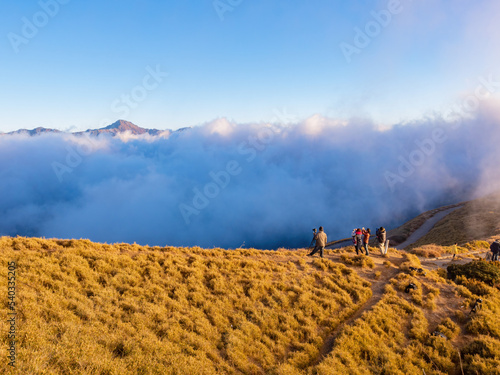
(123, 125)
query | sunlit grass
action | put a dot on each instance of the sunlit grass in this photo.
(115, 309)
(87, 308)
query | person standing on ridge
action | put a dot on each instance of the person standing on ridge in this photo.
(353, 235)
(381, 237)
(495, 249)
(321, 240)
(359, 241)
(366, 238)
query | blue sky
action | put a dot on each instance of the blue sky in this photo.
(262, 57)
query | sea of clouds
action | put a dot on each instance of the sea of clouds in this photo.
(253, 185)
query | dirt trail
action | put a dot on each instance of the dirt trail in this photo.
(378, 289)
(426, 227)
(377, 293)
(414, 237)
(443, 261)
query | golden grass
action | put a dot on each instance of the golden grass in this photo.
(87, 308)
(90, 308)
(358, 261)
(394, 337)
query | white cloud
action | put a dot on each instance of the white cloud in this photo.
(291, 178)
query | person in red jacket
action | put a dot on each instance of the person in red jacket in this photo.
(359, 241)
(366, 238)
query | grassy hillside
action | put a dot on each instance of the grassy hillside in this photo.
(87, 308)
(401, 234)
(395, 337)
(476, 220)
(126, 309)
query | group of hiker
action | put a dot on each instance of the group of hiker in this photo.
(360, 240)
(361, 237)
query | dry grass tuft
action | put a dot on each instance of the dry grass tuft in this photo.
(358, 261)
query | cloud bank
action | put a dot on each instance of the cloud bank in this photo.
(225, 184)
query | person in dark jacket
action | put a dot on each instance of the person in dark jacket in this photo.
(495, 250)
(321, 240)
(381, 238)
(359, 241)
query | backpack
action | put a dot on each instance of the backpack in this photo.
(495, 247)
(380, 236)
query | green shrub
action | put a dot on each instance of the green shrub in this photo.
(477, 269)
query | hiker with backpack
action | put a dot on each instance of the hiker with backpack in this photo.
(359, 240)
(495, 250)
(321, 240)
(381, 239)
(366, 238)
(353, 236)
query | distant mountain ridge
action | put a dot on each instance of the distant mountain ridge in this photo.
(36, 131)
(118, 127)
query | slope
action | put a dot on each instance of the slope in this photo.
(92, 308)
(475, 220)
